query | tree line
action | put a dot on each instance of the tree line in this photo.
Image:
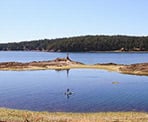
(82, 44)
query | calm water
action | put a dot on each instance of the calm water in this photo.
(88, 58)
(93, 89)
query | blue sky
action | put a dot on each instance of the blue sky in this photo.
(22, 20)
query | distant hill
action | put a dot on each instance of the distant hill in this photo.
(82, 44)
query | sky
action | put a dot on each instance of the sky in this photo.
(25, 20)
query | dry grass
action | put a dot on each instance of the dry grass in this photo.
(64, 63)
(9, 115)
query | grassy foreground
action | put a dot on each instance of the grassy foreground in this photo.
(10, 115)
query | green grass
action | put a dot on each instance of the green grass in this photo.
(10, 115)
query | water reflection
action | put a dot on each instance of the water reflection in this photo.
(67, 71)
(55, 91)
(68, 92)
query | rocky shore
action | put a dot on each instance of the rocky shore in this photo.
(137, 69)
(59, 63)
(67, 63)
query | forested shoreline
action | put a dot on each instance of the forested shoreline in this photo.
(81, 44)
